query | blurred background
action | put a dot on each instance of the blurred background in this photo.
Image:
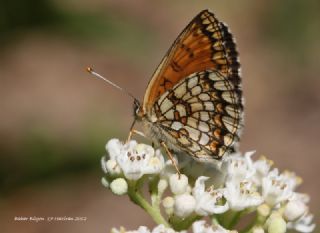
(55, 119)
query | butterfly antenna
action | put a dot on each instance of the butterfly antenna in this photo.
(95, 74)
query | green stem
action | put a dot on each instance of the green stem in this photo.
(178, 224)
(153, 190)
(228, 219)
(214, 220)
(219, 219)
(136, 196)
(234, 219)
(223, 218)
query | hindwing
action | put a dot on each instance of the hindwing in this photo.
(202, 114)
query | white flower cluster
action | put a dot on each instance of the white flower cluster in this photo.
(247, 186)
(253, 183)
(197, 227)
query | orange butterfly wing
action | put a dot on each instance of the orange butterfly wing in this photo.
(204, 44)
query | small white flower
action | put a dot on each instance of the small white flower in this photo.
(207, 201)
(262, 167)
(304, 224)
(119, 186)
(134, 159)
(291, 179)
(275, 188)
(242, 195)
(141, 229)
(294, 209)
(178, 183)
(203, 227)
(162, 229)
(238, 167)
(184, 205)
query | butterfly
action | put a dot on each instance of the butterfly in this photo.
(193, 102)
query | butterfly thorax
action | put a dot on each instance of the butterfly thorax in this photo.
(150, 126)
(141, 114)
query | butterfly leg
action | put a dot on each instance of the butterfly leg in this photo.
(139, 133)
(133, 131)
(171, 157)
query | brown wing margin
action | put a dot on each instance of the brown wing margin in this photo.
(204, 44)
(232, 55)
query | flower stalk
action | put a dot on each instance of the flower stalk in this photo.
(137, 198)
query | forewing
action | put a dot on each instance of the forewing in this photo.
(202, 114)
(205, 44)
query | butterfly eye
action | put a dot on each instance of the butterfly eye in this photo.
(137, 108)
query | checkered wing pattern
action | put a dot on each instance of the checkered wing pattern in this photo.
(195, 93)
(204, 44)
(202, 114)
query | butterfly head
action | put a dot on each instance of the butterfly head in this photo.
(137, 110)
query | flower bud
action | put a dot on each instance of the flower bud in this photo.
(162, 185)
(168, 204)
(263, 210)
(119, 186)
(276, 224)
(178, 183)
(294, 210)
(184, 205)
